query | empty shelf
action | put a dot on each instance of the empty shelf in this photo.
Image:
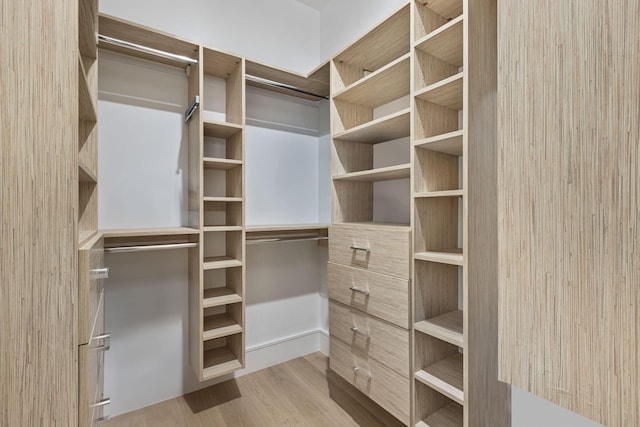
(219, 361)
(452, 256)
(149, 232)
(217, 262)
(445, 193)
(387, 128)
(222, 228)
(85, 174)
(447, 92)
(449, 143)
(220, 129)
(375, 175)
(446, 327)
(446, 377)
(222, 199)
(450, 415)
(376, 225)
(380, 87)
(218, 326)
(224, 164)
(86, 105)
(216, 297)
(445, 43)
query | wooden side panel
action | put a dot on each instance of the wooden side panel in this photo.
(488, 402)
(38, 195)
(569, 205)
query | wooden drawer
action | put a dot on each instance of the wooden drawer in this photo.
(383, 296)
(91, 371)
(383, 385)
(90, 273)
(381, 249)
(369, 337)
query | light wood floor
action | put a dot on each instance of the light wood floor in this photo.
(301, 392)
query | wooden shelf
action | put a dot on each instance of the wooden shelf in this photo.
(149, 232)
(218, 262)
(218, 326)
(222, 164)
(387, 128)
(285, 227)
(86, 105)
(447, 92)
(450, 415)
(445, 8)
(219, 64)
(448, 143)
(216, 129)
(383, 44)
(316, 82)
(216, 297)
(446, 327)
(222, 199)
(219, 361)
(445, 43)
(375, 175)
(85, 174)
(380, 87)
(213, 228)
(377, 225)
(446, 193)
(446, 377)
(84, 236)
(452, 256)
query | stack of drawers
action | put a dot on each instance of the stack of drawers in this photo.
(368, 282)
(92, 338)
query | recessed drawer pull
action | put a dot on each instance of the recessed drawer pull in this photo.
(360, 248)
(102, 419)
(358, 331)
(107, 342)
(103, 402)
(360, 291)
(100, 273)
(362, 372)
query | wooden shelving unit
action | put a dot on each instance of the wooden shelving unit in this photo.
(367, 78)
(218, 301)
(449, 289)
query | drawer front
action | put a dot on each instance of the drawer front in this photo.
(383, 385)
(90, 273)
(383, 296)
(379, 250)
(369, 337)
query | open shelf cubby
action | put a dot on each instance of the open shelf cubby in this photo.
(430, 15)
(222, 249)
(222, 321)
(382, 45)
(222, 356)
(222, 182)
(222, 141)
(222, 212)
(222, 287)
(435, 410)
(439, 365)
(222, 95)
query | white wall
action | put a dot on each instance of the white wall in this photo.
(285, 33)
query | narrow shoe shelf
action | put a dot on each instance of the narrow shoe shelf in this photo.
(222, 164)
(219, 361)
(380, 174)
(218, 326)
(216, 297)
(450, 256)
(445, 193)
(451, 415)
(387, 128)
(218, 262)
(446, 377)
(445, 43)
(217, 129)
(448, 143)
(447, 92)
(446, 327)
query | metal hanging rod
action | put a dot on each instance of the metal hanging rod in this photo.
(145, 49)
(271, 83)
(122, 249)
(283, 239)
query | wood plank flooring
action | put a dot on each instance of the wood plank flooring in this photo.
(300, 392)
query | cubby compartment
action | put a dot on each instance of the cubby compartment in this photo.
(222, 321)
(437, 229)
(379, 47)
(437, 302)
(437, 174)
(223, 144)
(433, 15)
(223, 91)
(222, 213)
(222, 249)
(222, 180)
(222, 356)
(87, 209)
(439, 366)
(222, 287)
(433, 409)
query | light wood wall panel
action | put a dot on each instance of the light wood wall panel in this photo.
(38, 193)
(569, 203)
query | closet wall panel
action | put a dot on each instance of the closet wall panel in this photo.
(569, 204)
(38, 199)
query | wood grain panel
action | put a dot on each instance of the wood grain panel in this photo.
(388, 297)
(372, 338)
(569, 205)
(38, 199)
